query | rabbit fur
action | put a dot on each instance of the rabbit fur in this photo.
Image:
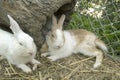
(14, 52)
(63, 43)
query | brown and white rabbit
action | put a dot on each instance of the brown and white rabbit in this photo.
(63, 43)
(14, 52)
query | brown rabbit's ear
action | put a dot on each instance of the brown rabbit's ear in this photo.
(61, 21)
(54, 23)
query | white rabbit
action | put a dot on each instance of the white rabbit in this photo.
(63, 43)
(16, 53)
(24, 39)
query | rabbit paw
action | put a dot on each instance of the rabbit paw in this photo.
(44, 54)
(96, 65)
(52, 58)
(25, 68)
(35, 63)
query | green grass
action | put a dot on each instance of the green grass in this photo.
(103, 28)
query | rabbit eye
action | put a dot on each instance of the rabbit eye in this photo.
(21, 44)
(57, 47)
(53, 35)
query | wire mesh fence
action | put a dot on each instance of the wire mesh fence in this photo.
(101, 17)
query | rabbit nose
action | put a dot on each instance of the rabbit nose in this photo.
(30, 53)
(58, 47)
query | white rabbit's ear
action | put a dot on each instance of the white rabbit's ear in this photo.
(14, 26)
(54, 23)
(61, 21)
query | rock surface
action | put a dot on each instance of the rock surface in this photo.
(34, 15)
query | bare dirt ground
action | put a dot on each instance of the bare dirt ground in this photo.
(76, 67)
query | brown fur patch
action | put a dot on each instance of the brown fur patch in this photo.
(81, 34)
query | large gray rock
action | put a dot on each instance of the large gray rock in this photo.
(34, 15)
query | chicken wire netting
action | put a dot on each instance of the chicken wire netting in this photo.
(101, 17)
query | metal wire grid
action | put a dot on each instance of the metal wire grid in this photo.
(108, 26)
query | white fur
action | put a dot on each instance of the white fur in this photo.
(101, 46)
(68, 48)
(59, 41)
(19, 48)
(12, 50)
(64, 51)
(27, 41)
(81, 41)
(23, 38)
(86, 47)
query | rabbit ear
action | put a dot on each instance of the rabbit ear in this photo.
(14, 26)
(61, 21)
(54, 23)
